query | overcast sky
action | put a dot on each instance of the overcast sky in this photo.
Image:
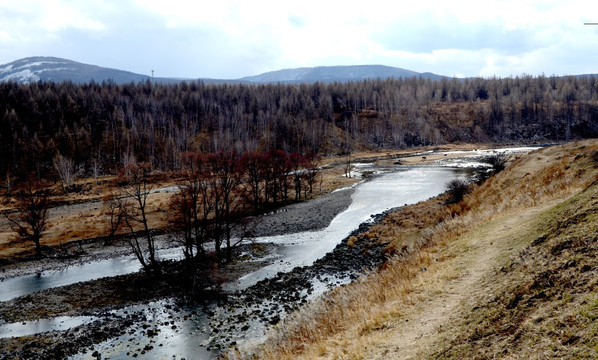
(233, 38)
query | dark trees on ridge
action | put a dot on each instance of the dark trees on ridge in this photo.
(97, 125)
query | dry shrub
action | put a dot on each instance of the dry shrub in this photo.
(367, 302)
(457, 188)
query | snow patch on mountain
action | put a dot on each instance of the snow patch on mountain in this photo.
(5, 69)
(24, 76)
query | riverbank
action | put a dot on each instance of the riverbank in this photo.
(263, 304)
(509, 272)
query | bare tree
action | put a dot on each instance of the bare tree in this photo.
(254, 166)
(31, 219)
(9, 183)
(311, 171)
(226, 177)
(183, 205)
(129, 163)
(116, 211)
(65, 167)
(348, 167)
(134, 200)
(193, 206)
(96, 170)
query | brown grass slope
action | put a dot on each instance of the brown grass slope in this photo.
(509, 272)
(545, 304)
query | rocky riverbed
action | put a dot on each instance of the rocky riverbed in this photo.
(271, 300)
(261, 305)
(101, 296)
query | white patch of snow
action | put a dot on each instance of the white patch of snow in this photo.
(6, 69)
(53, 69)
(492, 151)
(38, 63)
(475, 158)
(25, 76)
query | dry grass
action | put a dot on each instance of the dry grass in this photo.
(434, 262)
(545, 304)
(85, 221)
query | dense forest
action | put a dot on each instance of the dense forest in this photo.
(100, 127)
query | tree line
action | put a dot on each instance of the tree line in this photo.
(98, 127)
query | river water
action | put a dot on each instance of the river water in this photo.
(393, 187)
(186, 333)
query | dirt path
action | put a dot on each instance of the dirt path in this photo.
(461, 273)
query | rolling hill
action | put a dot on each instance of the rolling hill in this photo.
(336, 73)
(33, 69)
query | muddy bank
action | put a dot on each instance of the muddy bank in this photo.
(61, 344)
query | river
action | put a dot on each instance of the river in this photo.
(187, 333)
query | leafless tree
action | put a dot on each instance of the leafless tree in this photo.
(65, 167)
(348, 167)
(226, 177)
(129, 164)
(116, 211)
(31, 218)
(9, 183)
(134, 199)
(96, 170)
(311, 171)
(193, 205)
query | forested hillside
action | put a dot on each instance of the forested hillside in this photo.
(100, 126)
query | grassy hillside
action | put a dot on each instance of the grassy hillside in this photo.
(509, 272)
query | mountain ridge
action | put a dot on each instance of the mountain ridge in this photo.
(45, 68)
(337, 73)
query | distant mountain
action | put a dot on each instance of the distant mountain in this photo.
(54, 69)
(337, 73)
(34, 69)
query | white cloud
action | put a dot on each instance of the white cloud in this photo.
(232, 38)
(49, 15)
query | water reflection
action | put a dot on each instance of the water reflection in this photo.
(28, 284)
(39, 326)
